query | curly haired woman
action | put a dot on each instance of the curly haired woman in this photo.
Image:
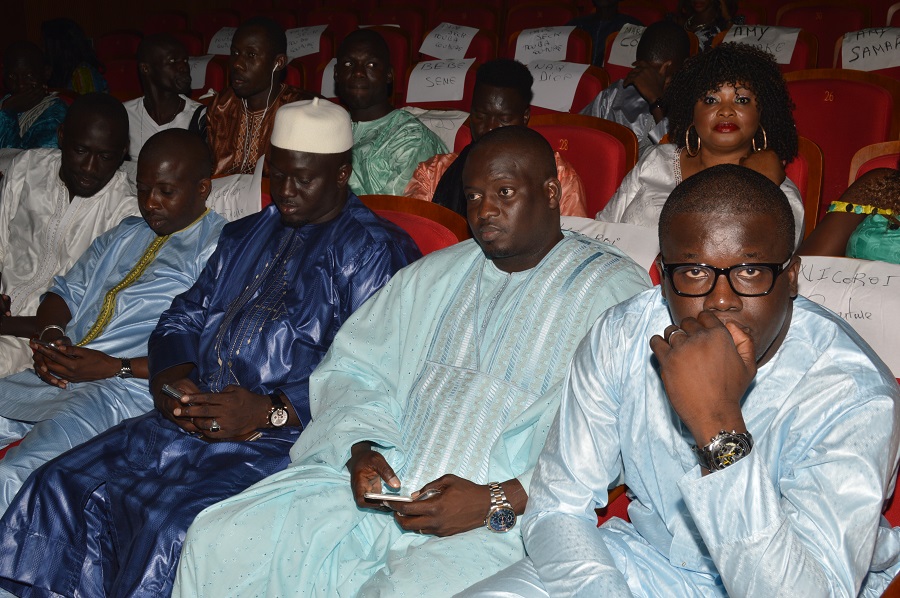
(729, 105)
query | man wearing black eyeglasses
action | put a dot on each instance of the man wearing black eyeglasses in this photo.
(755, 430)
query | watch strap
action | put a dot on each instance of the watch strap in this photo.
(498, 496)
(125, 371)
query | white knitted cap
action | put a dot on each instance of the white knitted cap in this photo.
(316, 126)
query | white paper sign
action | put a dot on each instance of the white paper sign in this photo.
(198, 66)
(221, 41)
(438, 80)
(303, 41)
(237, 195)
(866, 294)
(871, 49)
(328, 79)
(448, 41)
(624, 47)
(555, 83)
(777, 41)
(543, 43)
(443, 123)
(639, 242)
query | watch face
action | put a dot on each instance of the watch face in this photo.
(502, 519)
(279, 417)
(732, 449)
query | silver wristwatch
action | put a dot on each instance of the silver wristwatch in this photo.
(125, 371)
(501, 517)
(724, 449)
(278, 414)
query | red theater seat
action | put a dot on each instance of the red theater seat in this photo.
(806, 171)
(586, 142)
(877, 155)
(431, 226)
(828, 112)
(165, 22)
(828, 20)
(118, 44)
(593, 81)
(546, 14)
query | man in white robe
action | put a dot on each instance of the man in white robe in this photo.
(755, 430)
(447, 380)
(54, 203)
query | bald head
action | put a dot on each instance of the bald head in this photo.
(173, 180)
(512, 197)
(729, 190)
(529, 143)
(99, 110)
(182, 146)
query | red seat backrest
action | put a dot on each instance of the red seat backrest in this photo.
(587, 149)
(192, 42)
(410, 19)
(826, 19)
(122, 76)
(428, 234)
(165, 22)
(216, 79)
(828, 112)
(341, 21)
(118, 44)
(481, 17)
(531, 16)
(312, 62)
(645, 12)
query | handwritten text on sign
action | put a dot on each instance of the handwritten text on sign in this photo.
(303, 41)
(544, 43)
(448, 41)
(624, 47)
(640, 243)
(777, 41)
(866, 294)
(871, 49)
(555, 83)
(438, 80)
(221, 41)
(198, 66)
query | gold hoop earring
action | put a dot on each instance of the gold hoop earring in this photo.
(687, 142)
(765, 141)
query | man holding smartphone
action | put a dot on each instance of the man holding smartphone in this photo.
(445, 380)
(89, 336)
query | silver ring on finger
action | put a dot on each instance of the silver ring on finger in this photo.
(214, 426)
(674, 332)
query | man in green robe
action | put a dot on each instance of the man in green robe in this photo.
(388, 144)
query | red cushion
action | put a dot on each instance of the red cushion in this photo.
(428, 234)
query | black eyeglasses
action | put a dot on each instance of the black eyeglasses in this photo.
(746, 280)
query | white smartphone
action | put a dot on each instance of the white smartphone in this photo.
(401, 497)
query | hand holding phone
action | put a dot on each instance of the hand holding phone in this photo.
(171, 391)
(401, 497)
(45, 344)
